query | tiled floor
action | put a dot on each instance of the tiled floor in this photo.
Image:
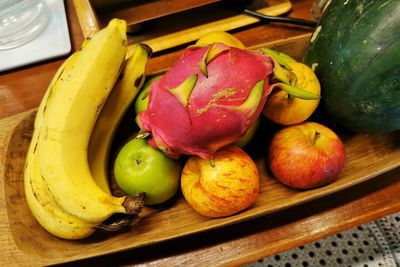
(375, 244)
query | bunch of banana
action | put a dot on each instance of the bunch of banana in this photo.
(131, 80)
(60, 189)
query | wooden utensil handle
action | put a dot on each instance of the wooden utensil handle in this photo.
(87, 18)
(192, 34)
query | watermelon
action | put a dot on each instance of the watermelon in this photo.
(355, 53)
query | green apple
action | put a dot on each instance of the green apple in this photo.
(142, 100)
(140, 168)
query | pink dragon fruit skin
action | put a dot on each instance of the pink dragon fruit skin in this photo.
(208, 99)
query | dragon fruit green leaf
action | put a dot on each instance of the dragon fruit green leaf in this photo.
(183, 91)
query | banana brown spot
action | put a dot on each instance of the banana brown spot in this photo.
(138, 80)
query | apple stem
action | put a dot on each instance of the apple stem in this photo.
(212, 163)
(316, 135)
(290, 97)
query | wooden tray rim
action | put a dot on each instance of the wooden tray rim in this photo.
(324, 191)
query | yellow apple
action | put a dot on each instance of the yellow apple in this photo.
(220, 37)
(224, 186)
(284, 109)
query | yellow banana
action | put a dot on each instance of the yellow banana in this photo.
(132, 78)
(46, 210)
(40, 200)
(67, 125)
(62, 73)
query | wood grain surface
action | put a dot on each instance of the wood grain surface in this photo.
(87, 17)
(149, 22)
(142, 10)
(242, 242)
(367, 157)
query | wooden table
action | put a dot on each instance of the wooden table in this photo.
(22, 89)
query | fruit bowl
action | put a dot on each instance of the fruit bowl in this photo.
(368, 156)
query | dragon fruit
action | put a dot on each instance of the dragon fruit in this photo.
(208, 99)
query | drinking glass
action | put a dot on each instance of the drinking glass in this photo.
(21, 21)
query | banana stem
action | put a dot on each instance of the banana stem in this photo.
(134, 205)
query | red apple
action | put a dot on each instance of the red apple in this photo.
(306, 155)
(224, 186)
